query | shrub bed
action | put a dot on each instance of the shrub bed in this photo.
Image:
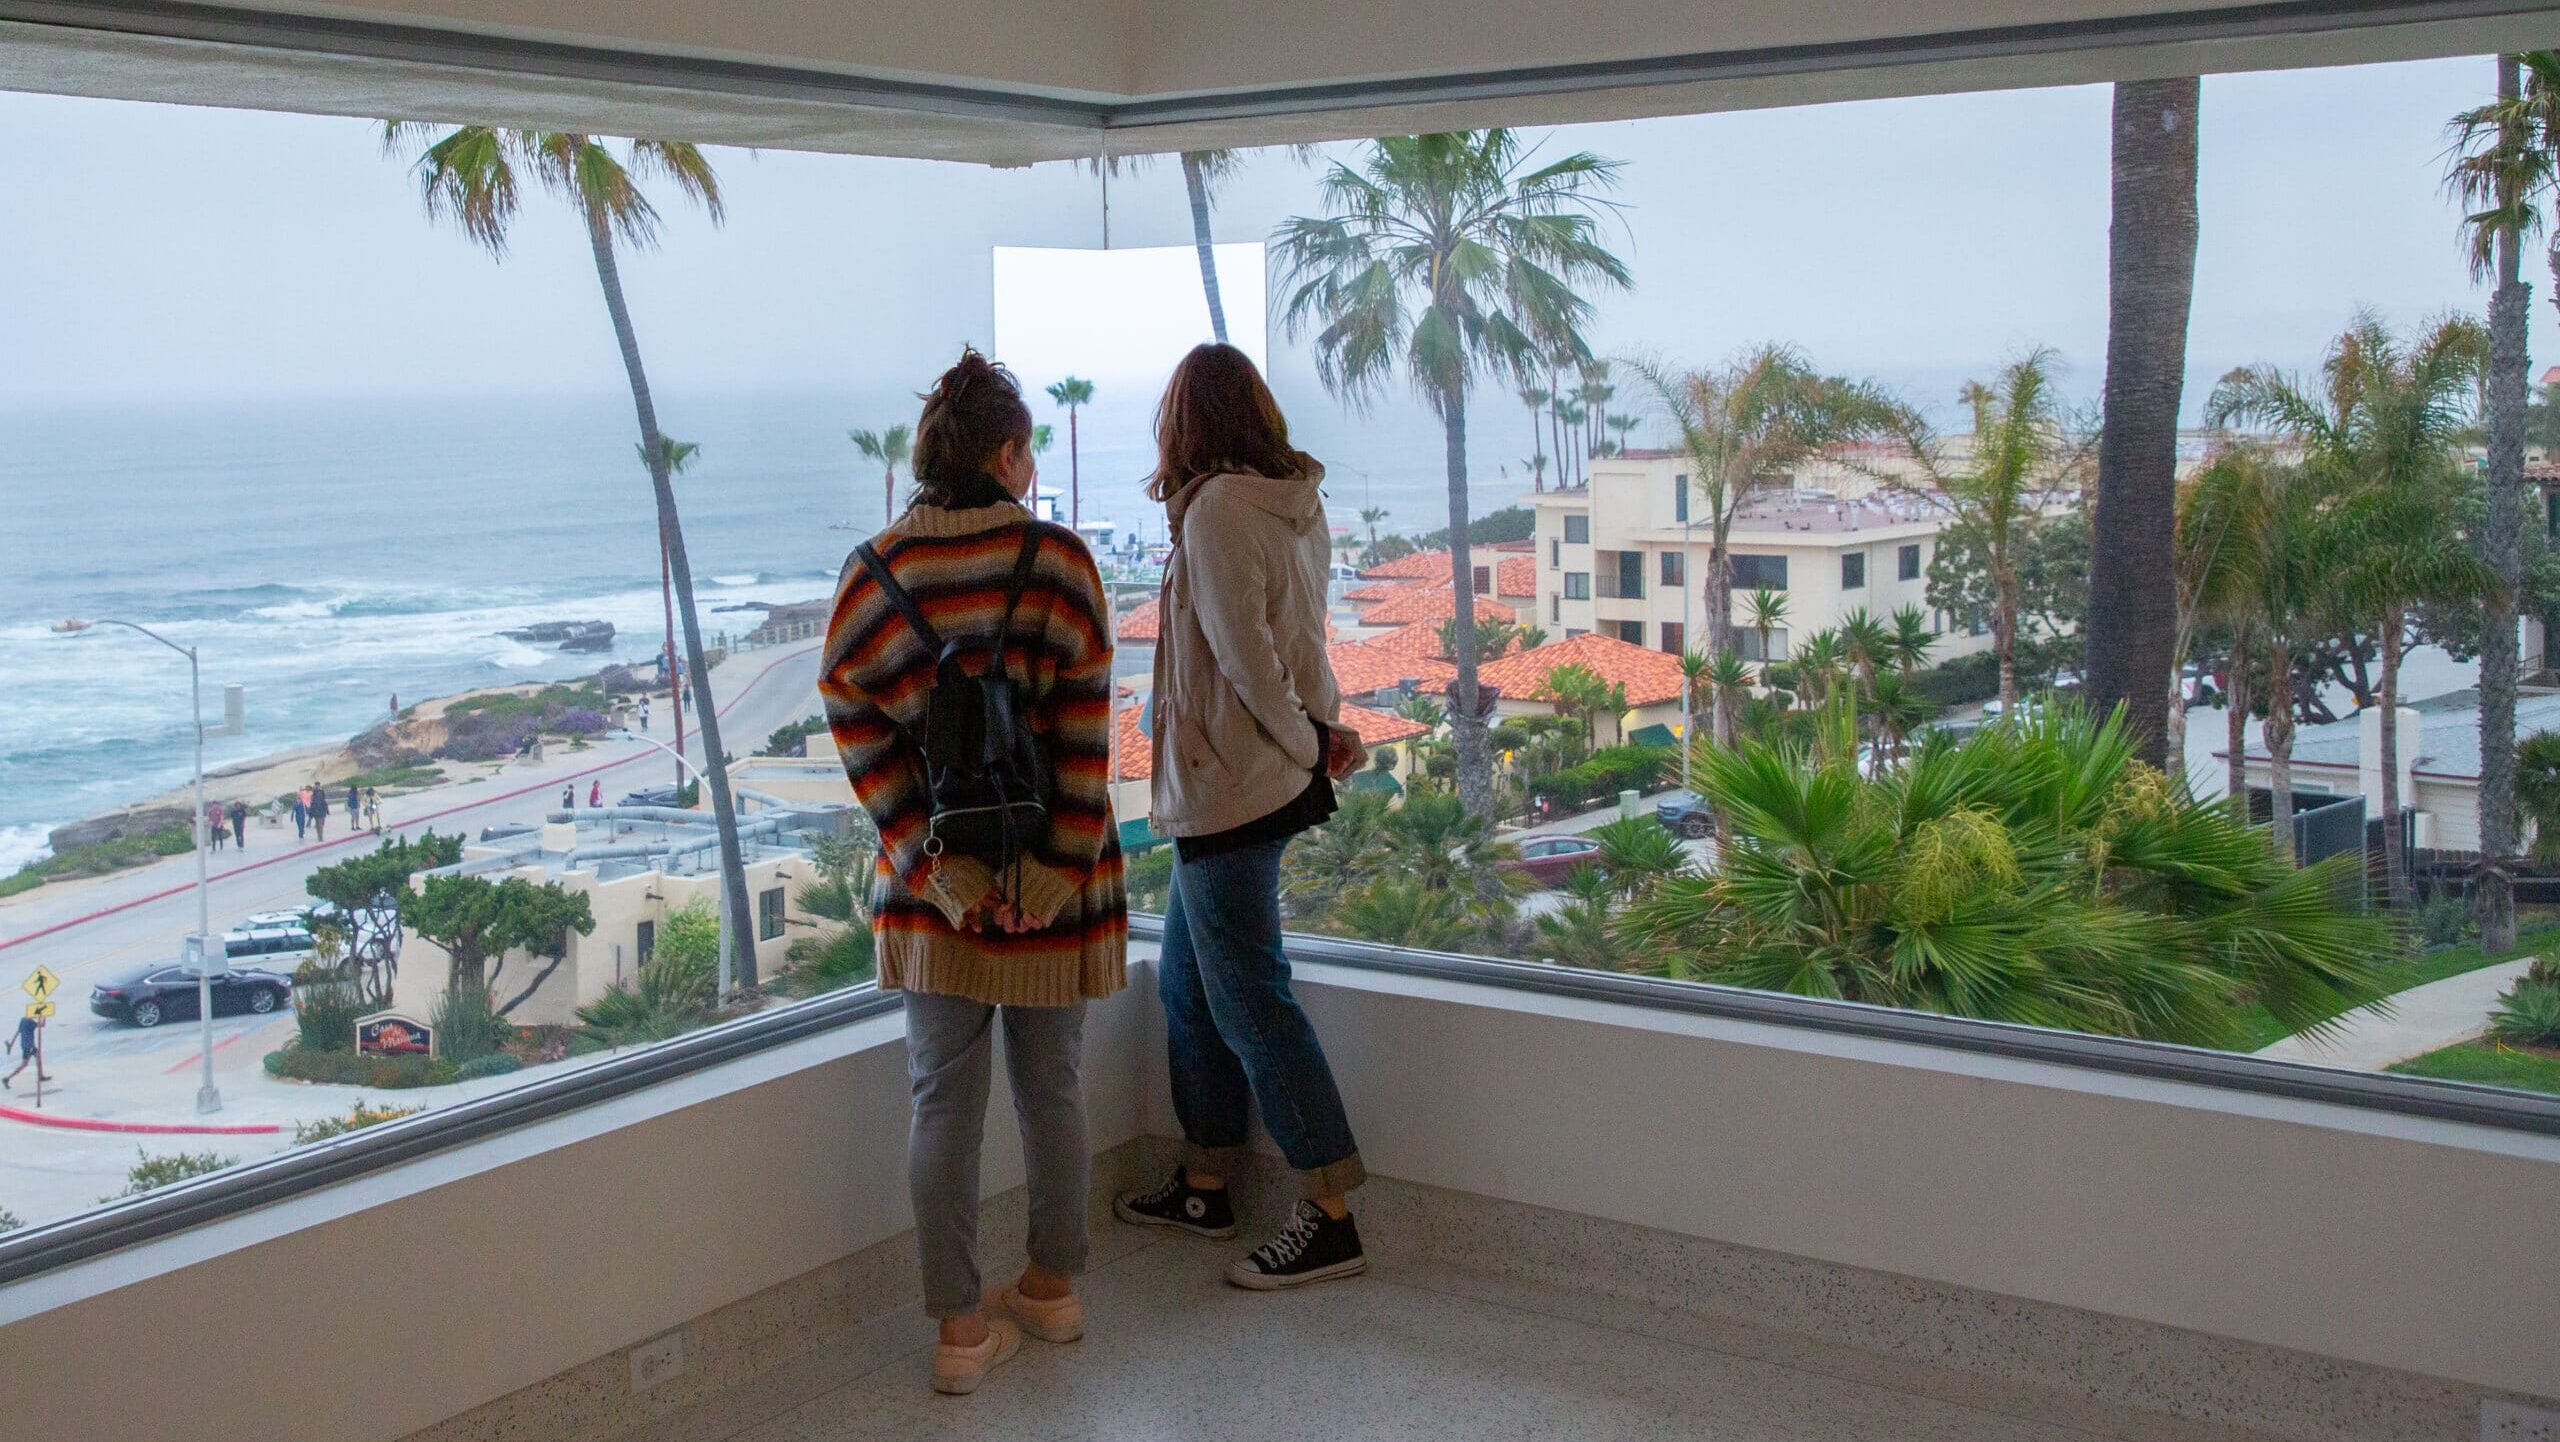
(487, 728)
(120, 854)
(1605, 773)
(345, 1068)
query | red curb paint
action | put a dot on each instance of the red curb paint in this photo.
(186, 886)
(148, 1129)
(197, 1059)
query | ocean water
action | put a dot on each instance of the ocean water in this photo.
(326, 555)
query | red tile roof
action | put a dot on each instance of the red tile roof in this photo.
(1420, 566)
(1377, 728)
(1521, 545)
(1651, 677)
(1376, 591)
(1363, 667)
(1417, 603)
(1140, 624)
(1135, 758)
(1517, 577)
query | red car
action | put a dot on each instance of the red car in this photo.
(1548, 860)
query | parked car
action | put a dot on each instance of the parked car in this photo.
(167, 992)
(302, 916)
(1685, 813)
(652, 796)
(1548, 860)
(281, 944)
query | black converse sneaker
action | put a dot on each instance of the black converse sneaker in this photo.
(1312, 1247)
(1177, 1203)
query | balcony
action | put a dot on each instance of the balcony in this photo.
(1606, 1207)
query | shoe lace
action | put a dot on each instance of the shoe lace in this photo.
(1294, 1238)
(1173, 1186)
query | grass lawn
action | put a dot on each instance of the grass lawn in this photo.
(2534, 1069)
(2258, 1029)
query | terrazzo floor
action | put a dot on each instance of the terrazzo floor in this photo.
(1172, 1352)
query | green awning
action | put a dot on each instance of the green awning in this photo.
(1656, 734)
(1136, 836)
(1379, 781)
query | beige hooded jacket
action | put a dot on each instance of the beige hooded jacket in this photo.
(1241, 676)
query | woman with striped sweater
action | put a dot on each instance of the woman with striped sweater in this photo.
(965, 944)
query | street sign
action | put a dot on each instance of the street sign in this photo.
(39, 1010)
(41, 983)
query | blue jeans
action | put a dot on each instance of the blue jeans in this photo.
(1234, 1030)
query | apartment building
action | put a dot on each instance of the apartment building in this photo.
(1626, 557)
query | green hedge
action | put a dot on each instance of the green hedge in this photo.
(1605, 773)
(1962, 681)
(345, 1068)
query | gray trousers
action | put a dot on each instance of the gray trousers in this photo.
(948, 1062)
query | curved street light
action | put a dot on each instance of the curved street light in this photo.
(208, 1097)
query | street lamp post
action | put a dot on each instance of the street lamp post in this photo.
(728, 970)
(1688, 690)
(208, 1097)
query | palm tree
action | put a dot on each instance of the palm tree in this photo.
(1577, 933)
(2027, 874)
(891, 449)
(2498, 170)
(1075, 395)
(1745, 428)
(2384, 430)
(1594, 394)
(1638, 854)
(1449, 257)
(1370, 516)
(1913, 640)
(679, 459)
(2020, 457)
(1898, 709)
(1768, 612)
(1867, 643)
(2538, 790)
(2151, 276)
(1578, 691)
(474, 175)
(1535, 397)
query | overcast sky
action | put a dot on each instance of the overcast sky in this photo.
(164, 252)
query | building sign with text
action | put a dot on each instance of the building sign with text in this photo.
(388, 1033)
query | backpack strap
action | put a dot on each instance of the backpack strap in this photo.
(1022, 564)
(899, 598)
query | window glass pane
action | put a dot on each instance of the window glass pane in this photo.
(1853, 571)
(1675, 637)
(1675, 568)
(1577, 585)
(1907, 562)
(1577, 530)
(1753, 573)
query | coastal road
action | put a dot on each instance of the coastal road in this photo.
(92, 930)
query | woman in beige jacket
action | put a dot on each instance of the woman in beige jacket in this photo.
(1248, 741)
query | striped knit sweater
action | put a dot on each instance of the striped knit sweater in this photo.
(875, 670)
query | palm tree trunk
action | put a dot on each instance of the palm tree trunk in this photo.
(1719, 605)
(1466, 721)
(1199, 191)
(2395, 865)
(2151, 273)
(675, 688)
(715, 765)
(2235, 731)
(2004, 630)
(2493, 899)
(1075, 472)
(2279, 733)
(889, 496)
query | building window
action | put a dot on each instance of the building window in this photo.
(1907, 562)
(1577, 530)
(1484, 580)
(1675, 569)
(1747, 641)
(1758, 573)
(1555, 555)
(1577, 585)
(646, 945)
(1680, 498)
(1631, 632)
(1572, 631)
(1853, 571)
(1631, 573)
(769, 914)
(1675, 637)
(1555, 606)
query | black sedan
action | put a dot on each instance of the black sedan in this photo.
(168, 993)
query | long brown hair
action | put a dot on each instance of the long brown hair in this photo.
(973, 412)
(1218, 416)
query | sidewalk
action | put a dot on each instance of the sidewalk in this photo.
(2422, 1019)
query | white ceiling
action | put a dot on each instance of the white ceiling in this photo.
(1014, 81)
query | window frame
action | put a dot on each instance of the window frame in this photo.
(1736, 560)
(1906, 561)
(777, 901)
(1853, 561)
(1674, 568)
(1570, 538)
(1573, 593)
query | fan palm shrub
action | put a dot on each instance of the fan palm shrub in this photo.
(2032, 873)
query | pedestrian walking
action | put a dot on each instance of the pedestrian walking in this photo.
(217, 826)
(302, 814)
(355, 807)
(29, 1045)
(240, 824)
(644, 713)
(569, 797)
(373, 810)
(595, 793)
(320, 813)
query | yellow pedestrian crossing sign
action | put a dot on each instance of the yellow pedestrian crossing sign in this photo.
(39, 1010)
(41, 983)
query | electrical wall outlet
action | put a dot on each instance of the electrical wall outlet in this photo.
(2503, 1421)
(660, 1358)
